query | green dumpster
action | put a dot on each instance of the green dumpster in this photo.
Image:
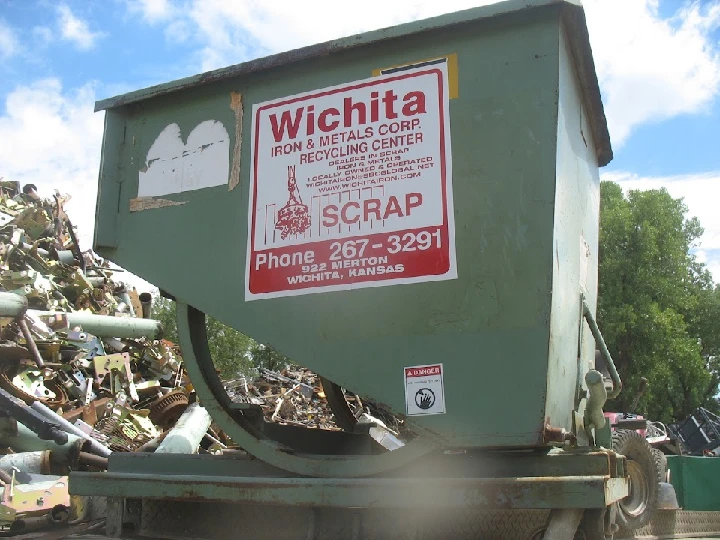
(412, 213)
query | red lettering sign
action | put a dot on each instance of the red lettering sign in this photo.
(351, 187)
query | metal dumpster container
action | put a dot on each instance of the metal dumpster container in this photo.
(411, 212)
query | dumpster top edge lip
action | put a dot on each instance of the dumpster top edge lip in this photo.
(507, 7)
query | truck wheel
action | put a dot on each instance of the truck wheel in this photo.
(660, 464)
(635, 510)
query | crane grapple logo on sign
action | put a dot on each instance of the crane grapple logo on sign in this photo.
(351, 187)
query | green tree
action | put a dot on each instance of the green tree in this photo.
(264, 356)
(704, 321)
(657, 305)
(230, 349)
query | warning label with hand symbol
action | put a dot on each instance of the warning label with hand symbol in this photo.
(424, 392)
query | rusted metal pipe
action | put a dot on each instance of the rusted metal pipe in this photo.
(29, 247)
(5, 478)
(27, 462)
(30, 342)
(146, 303)
(15, 306)
(41, 462)
(92, 460)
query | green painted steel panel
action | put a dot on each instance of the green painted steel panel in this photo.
(574, 269)
(695, 480)
(400, 493)
(525, 194)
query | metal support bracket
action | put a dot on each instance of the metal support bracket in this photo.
(114, 517)
(590, 318)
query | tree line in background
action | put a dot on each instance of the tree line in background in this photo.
(658, 309)
(233, 353)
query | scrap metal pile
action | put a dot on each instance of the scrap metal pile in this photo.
(699, 433)
(293, 396)
(296, 396)
(84, 371)
(77, 350)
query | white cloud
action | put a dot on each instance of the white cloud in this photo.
(650, 68)
(52, 138)
(42, 35)
(701, 192)
(177, 31)
(151, 10)
(228, 31)
(8, 41)
(76, 30)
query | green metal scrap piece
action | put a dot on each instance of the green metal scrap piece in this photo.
(25, 290)
(32, 381)
(695, 479)
(34, 220)
(28, 283)
(23, 277)
(103, 325)
(603, 436)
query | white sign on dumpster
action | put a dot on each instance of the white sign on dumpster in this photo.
(351, 187)
(424, 390)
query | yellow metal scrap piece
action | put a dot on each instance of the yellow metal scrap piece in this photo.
(34, 221)
(33, 499)
(137, 422)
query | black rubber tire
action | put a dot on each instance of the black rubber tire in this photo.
(636, 510)
(660, 464)
(594, 524)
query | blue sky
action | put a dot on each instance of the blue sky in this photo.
(658, 62)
